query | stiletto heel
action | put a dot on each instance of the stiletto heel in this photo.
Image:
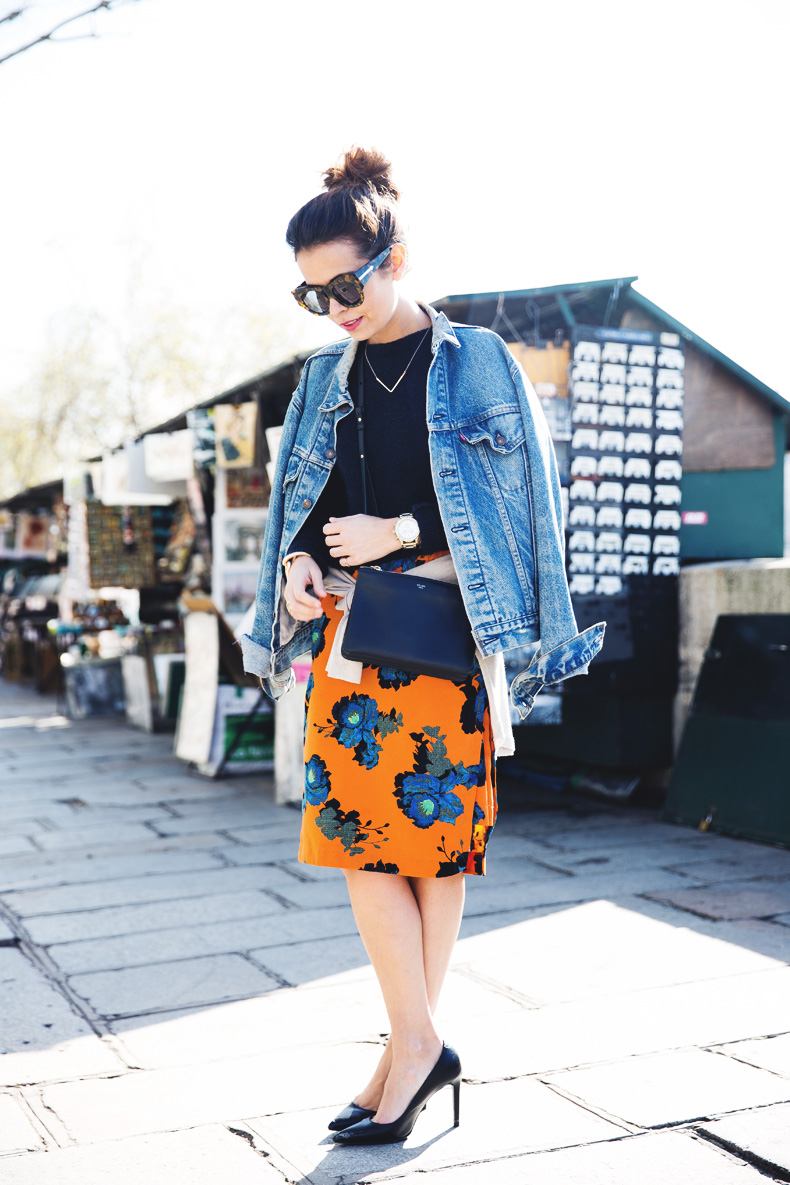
(446, 1072)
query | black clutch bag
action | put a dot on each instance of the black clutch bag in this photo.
(410, 623)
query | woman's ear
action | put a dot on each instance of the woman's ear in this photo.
(397, 261)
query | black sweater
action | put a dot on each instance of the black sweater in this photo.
(396, 445)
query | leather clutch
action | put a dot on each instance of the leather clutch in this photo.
(410, 623)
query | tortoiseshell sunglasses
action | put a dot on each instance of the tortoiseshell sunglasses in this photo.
(347, 289)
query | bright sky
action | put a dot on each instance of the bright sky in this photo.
(536, 144)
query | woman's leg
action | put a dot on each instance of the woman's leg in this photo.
(409, 927)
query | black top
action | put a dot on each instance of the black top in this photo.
(396, 444)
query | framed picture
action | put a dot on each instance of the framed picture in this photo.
(239, 591)
(243, 539)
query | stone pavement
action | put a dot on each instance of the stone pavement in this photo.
(181, 1001)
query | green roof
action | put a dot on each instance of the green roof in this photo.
(534, 311)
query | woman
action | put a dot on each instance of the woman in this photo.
(400, 768)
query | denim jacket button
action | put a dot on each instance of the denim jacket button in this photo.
(308, 502)
(329, 454)
(499, 438)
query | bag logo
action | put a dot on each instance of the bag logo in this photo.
(420, 586)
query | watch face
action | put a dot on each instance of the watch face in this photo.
(407, 530)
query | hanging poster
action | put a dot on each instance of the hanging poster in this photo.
(169, 455)
(201, 423)
(235, 434)
(246, 489)
(32, 531)
(120, 546)
(7, 532)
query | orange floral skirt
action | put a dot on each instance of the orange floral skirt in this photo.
(400, 773)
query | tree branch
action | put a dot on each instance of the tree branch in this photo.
(11, 16)
(106, 4)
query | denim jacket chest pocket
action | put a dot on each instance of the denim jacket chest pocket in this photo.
(296, 464)
(496, 440)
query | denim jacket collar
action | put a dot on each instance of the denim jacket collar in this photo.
(338, 393)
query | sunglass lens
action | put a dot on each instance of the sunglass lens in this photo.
(316, 301)
(346, 291)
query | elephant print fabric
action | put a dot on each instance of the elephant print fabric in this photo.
(400, 773)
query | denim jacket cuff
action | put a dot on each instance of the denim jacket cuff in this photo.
(569, 658)
(257, 661)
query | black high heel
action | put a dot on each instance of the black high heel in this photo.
(446, 1072)
(351, 1114)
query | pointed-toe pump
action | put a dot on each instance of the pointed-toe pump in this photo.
(350, 1115)
(446, 1072)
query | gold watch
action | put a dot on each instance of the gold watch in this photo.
(407, 531)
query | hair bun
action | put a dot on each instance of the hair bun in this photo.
(362, 166)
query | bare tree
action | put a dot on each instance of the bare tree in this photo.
(50, 35)
(97, 383)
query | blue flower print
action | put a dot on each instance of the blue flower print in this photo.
(317, 785)
(356, 716)
(392, 678)
(470, 775)
(318, 636)
(356, 723)
(424, 799)
(474, 705)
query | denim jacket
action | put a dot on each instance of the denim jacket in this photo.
(498, 490)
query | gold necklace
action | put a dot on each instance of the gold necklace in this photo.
(414, 355)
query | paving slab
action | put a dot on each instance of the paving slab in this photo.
(600, 948)
(488, 1131)
(12, 845)
(7, 936)
(292, 1018)
(183, 912)
(763, 1133)
(202, 1156)
(655, 1159)
(41, 1038)
(167, 1100)
(318, 893)
(763, 937)
(486, 896)
(103, 839)
(687, 858)
(161, 887)
(17, 1133)
(746, 899)
(756, 862)
(304, 962)
(55, 869)
(231, 817)
(311, 872)
(622, 830)
(184, 942)
(673, 1087)
(773, 1053)
(58, 815)
(615, 1027)
(177, 984)
(283, 848)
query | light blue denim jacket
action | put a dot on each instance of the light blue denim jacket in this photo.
(498, 490)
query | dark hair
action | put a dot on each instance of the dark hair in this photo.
(359, 203)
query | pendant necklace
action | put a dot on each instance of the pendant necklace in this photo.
(414, 355)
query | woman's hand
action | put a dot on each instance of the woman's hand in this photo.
(360, 538)
(300, 603)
